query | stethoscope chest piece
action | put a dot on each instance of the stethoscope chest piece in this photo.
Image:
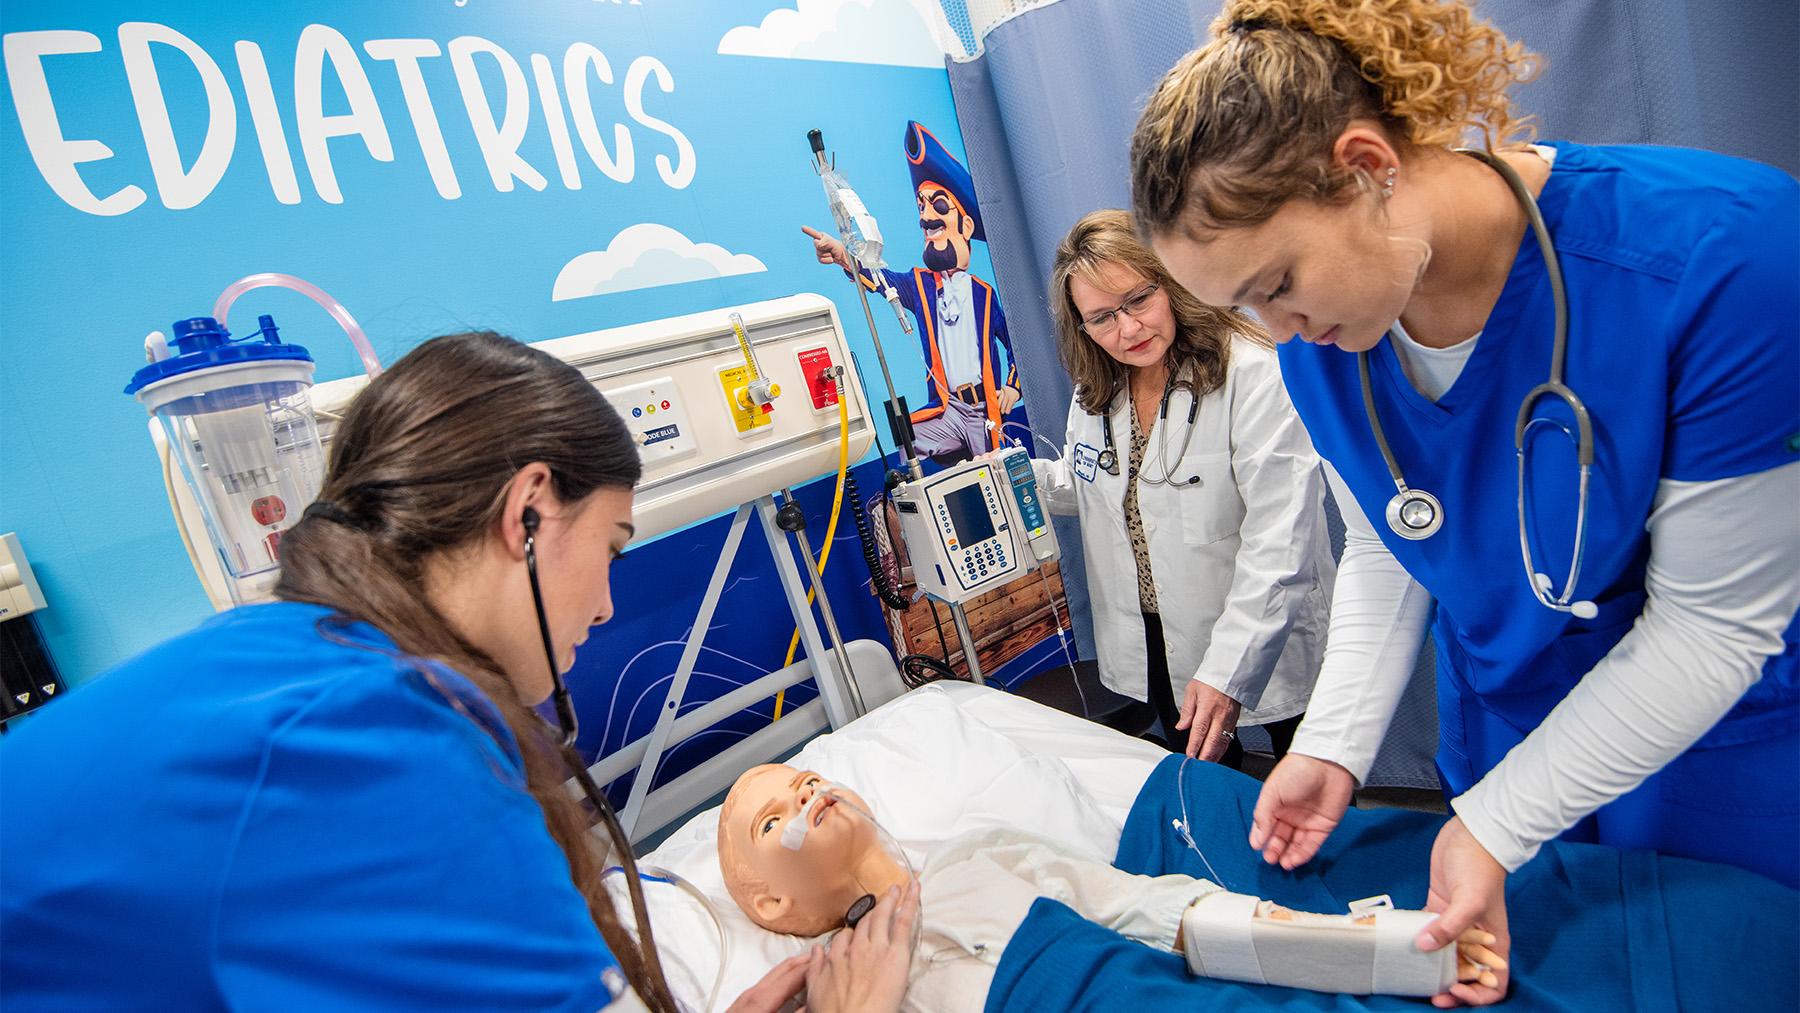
(1415, 514)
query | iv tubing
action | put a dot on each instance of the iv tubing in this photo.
(370, 362)
(657, 874)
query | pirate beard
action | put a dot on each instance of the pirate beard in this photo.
(942, 259)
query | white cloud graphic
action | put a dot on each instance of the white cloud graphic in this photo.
(847, 31)
(647, 255)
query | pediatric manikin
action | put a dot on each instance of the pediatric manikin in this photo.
(802, 856)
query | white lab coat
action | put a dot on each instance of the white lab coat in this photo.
(1241, 559)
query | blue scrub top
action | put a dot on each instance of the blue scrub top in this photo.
(271, 812)
(1681, 271)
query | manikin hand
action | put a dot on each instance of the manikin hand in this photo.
(1300, 805)
(1477, 963)
(828, 250)
(1210, 718)
(1468, 889)
(866, 970)
(781, 984)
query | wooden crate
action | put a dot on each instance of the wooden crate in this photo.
(1005, 622)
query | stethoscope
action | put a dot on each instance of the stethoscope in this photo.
(1109, 455)
(566, 721)
(1415, 514)
(570, 727)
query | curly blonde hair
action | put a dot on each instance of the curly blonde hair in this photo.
(1200, 355)
(1246, 123)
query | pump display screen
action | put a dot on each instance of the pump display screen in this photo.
(969, 515)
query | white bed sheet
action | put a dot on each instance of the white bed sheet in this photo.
(936, 762)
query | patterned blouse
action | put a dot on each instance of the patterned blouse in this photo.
(1134, 521)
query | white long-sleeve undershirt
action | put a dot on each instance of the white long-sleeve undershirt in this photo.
(1722, 588)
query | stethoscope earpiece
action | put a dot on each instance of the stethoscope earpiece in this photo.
(1578, 609)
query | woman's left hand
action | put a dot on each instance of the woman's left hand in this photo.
(1210, 719)
(1468, 889)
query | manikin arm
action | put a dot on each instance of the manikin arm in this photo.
(1369, 951)
(980, 887)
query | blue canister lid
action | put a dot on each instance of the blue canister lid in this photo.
(200, 343)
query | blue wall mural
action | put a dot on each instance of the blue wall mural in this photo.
(539, 169)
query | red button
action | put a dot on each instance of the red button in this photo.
(665, 406)
(268, 510)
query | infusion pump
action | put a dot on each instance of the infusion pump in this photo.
(975, 526)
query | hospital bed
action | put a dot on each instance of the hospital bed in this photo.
(932, 763)
(1594, 927)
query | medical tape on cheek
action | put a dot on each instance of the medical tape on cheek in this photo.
(1223, 938)
(794, 834)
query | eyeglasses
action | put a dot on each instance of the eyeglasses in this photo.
(1106, 321)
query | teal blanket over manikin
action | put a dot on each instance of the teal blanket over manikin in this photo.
(1593, 928)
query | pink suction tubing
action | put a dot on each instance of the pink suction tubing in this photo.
(371, 364)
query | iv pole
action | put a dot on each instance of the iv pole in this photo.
(899, 418)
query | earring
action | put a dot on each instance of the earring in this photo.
(1387, 184)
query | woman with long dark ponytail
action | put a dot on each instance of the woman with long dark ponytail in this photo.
(343, 799)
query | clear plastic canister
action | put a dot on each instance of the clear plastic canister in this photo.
(238, 418)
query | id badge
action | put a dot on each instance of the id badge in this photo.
(1086, 462)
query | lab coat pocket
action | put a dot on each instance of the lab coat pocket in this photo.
(1206, 495)
(1111, 567)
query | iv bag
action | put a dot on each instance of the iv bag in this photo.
(855, 225)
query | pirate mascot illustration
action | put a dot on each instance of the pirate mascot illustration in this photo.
(973, 383)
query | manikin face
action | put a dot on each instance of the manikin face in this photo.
(948, 231)
(1139, 334)
(1329, 274)
(806, 890)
